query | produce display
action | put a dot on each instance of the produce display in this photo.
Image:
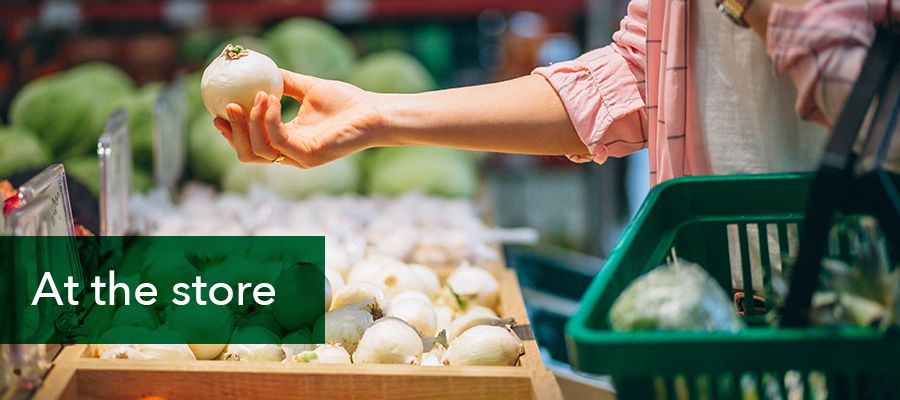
(412, 228)
(58, 118)
(419, 298)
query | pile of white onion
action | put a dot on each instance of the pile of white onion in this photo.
(382, 311)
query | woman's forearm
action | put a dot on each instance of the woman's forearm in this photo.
(522, 115)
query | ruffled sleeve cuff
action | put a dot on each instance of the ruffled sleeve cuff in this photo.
(598, 89)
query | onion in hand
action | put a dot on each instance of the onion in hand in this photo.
(236, 76)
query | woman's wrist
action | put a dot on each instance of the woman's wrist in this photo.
(398, 119)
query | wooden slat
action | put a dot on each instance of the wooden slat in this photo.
(76, 376)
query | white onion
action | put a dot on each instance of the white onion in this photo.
(344, 326)
(236, 76)
(389, 341)
(362, 295)
(472, 286)
(485, 345)
(416, 312)
(323, 354)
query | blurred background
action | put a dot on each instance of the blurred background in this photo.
(381, 45)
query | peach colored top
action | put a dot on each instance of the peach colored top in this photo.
(647, 70)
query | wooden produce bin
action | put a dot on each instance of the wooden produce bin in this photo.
(76, 376)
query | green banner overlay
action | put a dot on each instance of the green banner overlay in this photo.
(162, 289)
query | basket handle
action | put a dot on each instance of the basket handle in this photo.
(832, 180)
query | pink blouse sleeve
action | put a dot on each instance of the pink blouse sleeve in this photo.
(602, 87)
(822, 45)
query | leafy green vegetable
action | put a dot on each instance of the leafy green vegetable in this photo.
(311, 47)
(67, 111)
(209, 154)
(139, 107)
(336, 177)
(86, 170)
(391, 72)
(19, 150)
(339, 176)
(195, 108)
(681, 296)
(431, 170)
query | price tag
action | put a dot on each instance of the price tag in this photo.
(114, 154)
(43, 221)
(45, 211)
(170, 136)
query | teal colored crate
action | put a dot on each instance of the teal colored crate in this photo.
(692, 214)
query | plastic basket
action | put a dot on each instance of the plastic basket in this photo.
(693, 215)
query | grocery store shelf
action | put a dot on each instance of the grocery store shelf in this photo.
(226, 11)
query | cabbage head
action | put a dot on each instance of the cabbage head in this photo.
(430, 170)
(336, 177)
(311, 47)
(67, 110)
(209, 154)
(20, 149)
(391, 71)
(86, 170)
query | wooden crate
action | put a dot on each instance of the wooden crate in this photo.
(76, 376)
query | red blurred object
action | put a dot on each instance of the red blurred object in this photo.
(80, 230)
(11, 200)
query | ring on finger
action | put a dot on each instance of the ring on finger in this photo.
(279, 159)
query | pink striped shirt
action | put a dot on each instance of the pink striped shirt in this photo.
(647, 70)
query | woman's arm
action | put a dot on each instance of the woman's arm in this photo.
(522, 115)
(587, 108)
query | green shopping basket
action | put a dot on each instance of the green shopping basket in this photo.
(693, 215)
(765, 216)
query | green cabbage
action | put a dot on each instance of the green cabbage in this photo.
(209, 154)
(140, 122)
(240, 177)
(102, 76)
(85, 170)
(430, 170)
(67, 110)
(311, 47)
(195, 108)
(336, 177)
(391, 72)
(20, 150)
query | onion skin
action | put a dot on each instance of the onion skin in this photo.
(237, 78)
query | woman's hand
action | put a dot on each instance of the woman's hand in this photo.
(336, 119)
